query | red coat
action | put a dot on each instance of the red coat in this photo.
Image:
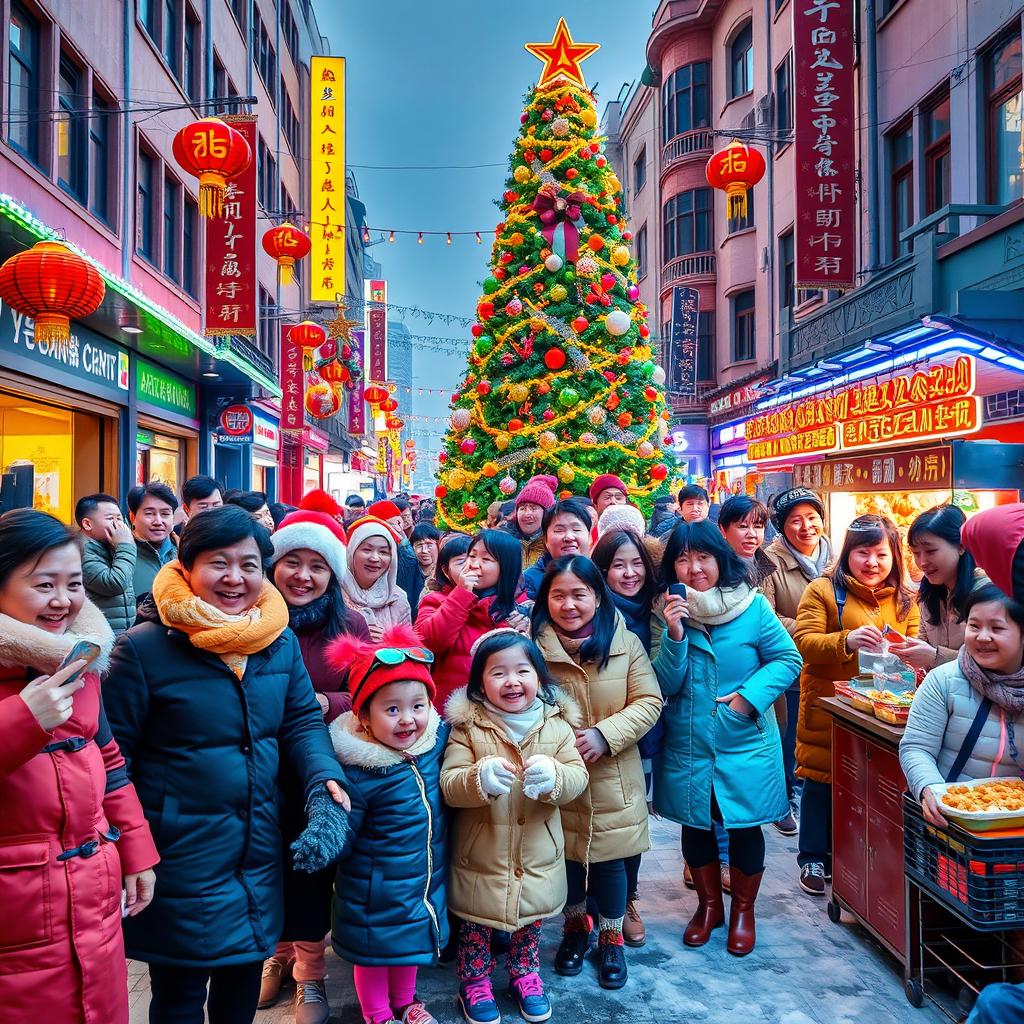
(450, 622)
(61, 949)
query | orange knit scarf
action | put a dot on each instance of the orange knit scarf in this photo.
(231, 637)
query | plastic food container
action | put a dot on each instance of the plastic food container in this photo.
(855, 697)
(978, 821)
(894, 714)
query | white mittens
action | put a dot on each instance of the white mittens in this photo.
(495, 778)
(539, 777)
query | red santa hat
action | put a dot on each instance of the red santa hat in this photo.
(314, 531)
(317, 500)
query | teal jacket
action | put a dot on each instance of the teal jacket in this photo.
(108, 572)
(707, 745)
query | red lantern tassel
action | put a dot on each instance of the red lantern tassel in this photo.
(307, 360)
(285, 270)
(52, 328)
(737, 202)
(211, 195)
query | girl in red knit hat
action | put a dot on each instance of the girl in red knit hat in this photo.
(389, 904)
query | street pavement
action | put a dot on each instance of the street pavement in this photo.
(804, 969)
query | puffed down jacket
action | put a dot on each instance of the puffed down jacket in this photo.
(708, 746)
(622, 701)
(390, 892)
(941, 716)
(821, 640)
(203, 750)
(108, 574)
(507, 865)
(63, 791)
(533, 547)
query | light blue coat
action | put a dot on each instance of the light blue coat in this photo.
(708, 745)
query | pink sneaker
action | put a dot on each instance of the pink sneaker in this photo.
(417, 1013)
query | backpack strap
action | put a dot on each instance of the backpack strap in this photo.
(839, 591)
(967, 747)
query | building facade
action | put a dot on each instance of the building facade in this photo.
(94, 95)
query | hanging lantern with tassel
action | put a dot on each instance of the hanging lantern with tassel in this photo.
(375, 394)
(334, 372)
(213, 151)
(389, 405)
(322, 400)
(309, 337)
(286, 244)
(735, 170)
(52, 284)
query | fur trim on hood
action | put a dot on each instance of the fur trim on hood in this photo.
(354, 747)
(459, 710)
(26, 646)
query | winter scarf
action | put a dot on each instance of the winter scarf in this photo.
(384, 590)
(309, 618)
(638, 617)
(517, 723)
(572, 642)
(23, 645)
(814, 567)
(716, 606)
(231, 637)
(1006, 691)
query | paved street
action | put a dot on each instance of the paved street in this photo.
(805, 970)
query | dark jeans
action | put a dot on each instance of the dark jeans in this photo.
(999, 1004)
(633, 876)
(703, 846)
(179, 993)
(816, 824)
(789, 740)
(604, 883)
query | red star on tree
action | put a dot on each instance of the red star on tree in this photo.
(562, 57)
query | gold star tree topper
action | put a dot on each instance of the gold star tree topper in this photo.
(341, 326)
(562, 57)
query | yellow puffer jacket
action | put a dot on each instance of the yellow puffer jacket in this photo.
(821, 640)
(622, 701)
(507, 855)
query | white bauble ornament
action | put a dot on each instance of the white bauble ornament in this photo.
(553, 263)
(596, 415)
(645, 449)
(507, 485)
(461, 419)
(560, 127)
(586, 267)
(617, 323)
(658, 377)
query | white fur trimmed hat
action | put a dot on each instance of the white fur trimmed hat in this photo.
(315, 531)
(621, 517)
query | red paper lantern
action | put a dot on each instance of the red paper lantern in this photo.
(394, 423)
(286, 244)
(470, 510)
(388, 405)
(309, 337)
(334, 372)
(734, 170)
(659, 471)
(375, 394)
(53, 285)
(213, 151)
(322, 401)
(554, 358)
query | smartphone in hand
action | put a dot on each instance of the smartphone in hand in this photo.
(678, 589)
(84, 650)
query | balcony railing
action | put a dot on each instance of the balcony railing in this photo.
(689, 145)
(698, 264)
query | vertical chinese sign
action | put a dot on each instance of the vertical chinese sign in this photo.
(327, 178)
(377, 330)
(683, 340)
(293, 383)
(231, 250)
(824, 135)
(356, 400)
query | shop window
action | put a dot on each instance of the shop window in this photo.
(170, 36)
(937, 155)
(688, 224)
(267, 171)
(289, 30)
(172, 216)
(102, 175)
(741, 62)
(290, 123)
(901, 185)
(238, 10)
(264, 55)
(685, 101)
(24, 110)
(192, 68)
(1003, 128)
(787, 271)
(784, 98)
(268, 324)
(72, 131)
(641, 252)
(640, 170)
(706, 348)
(145, 207)
(149, 15)
(743, 335)
(747, 220)
(190, 247)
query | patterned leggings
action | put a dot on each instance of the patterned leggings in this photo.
(475, 959)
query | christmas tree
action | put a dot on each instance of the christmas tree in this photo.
(560, 377)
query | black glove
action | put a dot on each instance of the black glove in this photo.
(323, 839)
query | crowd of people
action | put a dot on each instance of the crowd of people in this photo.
(236, 730)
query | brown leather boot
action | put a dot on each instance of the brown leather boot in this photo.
(710, 912)
(741, 912)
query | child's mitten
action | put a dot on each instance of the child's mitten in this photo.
(495, 778)
(539, 777)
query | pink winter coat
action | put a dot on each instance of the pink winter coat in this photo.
(61, 951)
(450, 622)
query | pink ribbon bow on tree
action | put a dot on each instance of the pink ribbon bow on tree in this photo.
(556, 211)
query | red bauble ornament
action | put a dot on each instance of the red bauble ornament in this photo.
(514, 426)
(735, 170)
(546, 155)
(627, 236)
(524, 117)
(510, 196)
(608, 281)
(507, 257)
(500, 273)
(580, 324)
(213, 151)
(595, 147)
(485, 309)
(440, 491)
(651, 393)
(612, 219)
(286, 244)
(476, 330)
(554, 359)
(483, 388)
(442, 458)
(571, 174)
(609, 375)
(613, 401)
(600, 161)
(625, 419)
(596, 243)
(470, 510)
(543, 387)
(667, 441)
(467, 446)
(53, 285)
(530, 155)
(645, 331)
(549, 415)
(659, 471)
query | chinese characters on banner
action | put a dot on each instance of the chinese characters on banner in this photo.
(356, 401)
(377, 326)
(683, 350)
(824, 137)
(327, 178)
(293, 384)
(914, 470)
(231, 250)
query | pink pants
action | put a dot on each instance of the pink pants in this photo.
(309, 959)
(383, 992)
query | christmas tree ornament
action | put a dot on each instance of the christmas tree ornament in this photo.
(500, 273)
(558, 293)
(588, 438)
(515, 425)
(483, 389)
(612, 401)
(554, 358)
(553, 263)
(620, 256)
(596, 242)
(470, 510)
(566, 473)
(507, 485)
(596, 415)
(461, 419)
(514, 307)
(543, 387)
(633, 293)
(645, 449)
(651, 394)
(548, 415)
(485, 309)
(569, 276)
(442, 457)
(560, 127)
(586, 267)
(568, 397)
(608, 281)
(571, 174)
(647, 368)
(501, 440)
(467, 446)
(484, 344)
(589, 118)
(548, 440)
(440, 491)
(507, 359)
(522, 174)
(580, 324)
(659, 471)
(600, 161)
(491, 285)
(645, 331)
(519, 393)
(625, 419)
(457, 479)
(658, 376)
(507, 257)
(617, 323)
(490, 470)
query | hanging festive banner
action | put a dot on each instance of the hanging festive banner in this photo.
(683, 351)
(382, 454)
(327, 178)
(231, 302)
(377, 327)
(356, 397)
(825, 245)
(293, 383)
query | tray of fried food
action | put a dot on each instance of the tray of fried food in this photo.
(983, 805)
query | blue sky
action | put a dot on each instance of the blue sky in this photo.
(441, 82)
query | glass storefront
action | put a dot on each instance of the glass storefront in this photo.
(159, 458)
